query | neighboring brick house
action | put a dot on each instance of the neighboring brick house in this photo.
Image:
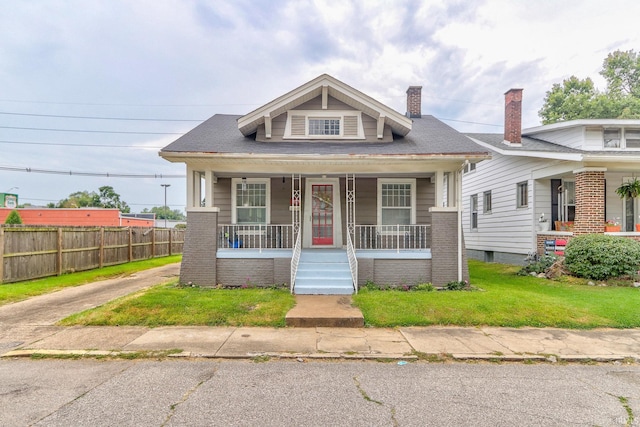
(76, 217)
(324, 188)
(568, 171)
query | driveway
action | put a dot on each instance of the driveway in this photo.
(34, 318)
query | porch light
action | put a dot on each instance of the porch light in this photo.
(244, 183)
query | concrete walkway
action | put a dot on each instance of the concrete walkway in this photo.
(430, 343)
(28, 327)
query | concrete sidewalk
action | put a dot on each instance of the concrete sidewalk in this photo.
(27, 328)
(430, 343)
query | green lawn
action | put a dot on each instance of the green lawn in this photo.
(12, 292)
(506, 300)
(172, 305)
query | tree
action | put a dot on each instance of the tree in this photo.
(579, 99)
(107, 198)
(165, 213)
(13, 218)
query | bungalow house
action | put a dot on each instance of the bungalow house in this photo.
(546, 184)
(324, 188)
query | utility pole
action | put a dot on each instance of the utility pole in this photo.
(165, 203)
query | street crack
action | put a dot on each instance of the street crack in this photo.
(368, 398)
(187, 394)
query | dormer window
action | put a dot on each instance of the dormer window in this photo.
(612, 138)
(302, 124)
(621, 138)
(324, 126)
(632, 138)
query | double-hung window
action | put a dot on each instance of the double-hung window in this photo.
(486, 202)
(396, 202)
(522, 194)
(250, 201)
(474, 211)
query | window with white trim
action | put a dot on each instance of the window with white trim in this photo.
(329, 124)
(396, 202)
(486, 202)
(324, 126)
(473, 203)
(522, 194)
(621, 138)
(251, 201)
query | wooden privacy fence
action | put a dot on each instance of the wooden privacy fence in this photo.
(29, 252)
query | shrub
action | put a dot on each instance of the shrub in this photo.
(457, 285)
(13, 218)
(540, 266)
(426, 287)
(600, 257)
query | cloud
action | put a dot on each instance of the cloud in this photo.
(190, 59)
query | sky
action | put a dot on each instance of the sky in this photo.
(98, 87)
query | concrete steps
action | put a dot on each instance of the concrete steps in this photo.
(323, 272)
(328, 311)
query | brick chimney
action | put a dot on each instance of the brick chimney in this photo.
(513, 116)
(414, 99)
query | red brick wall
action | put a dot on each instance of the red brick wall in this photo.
(414, 101)
(513, 116)
(590, 202)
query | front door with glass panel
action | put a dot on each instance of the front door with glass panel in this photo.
(322, 214)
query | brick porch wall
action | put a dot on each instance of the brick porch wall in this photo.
(444, 249)
(590, 202)
(200, 247)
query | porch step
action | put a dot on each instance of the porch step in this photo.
(323, 272)
(331, 311)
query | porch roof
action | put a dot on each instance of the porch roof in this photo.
(534, 147)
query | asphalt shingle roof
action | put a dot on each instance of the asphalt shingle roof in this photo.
(220, 134)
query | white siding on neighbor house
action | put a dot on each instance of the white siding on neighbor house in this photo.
(593, 139)
(572, 137)
(507, 228)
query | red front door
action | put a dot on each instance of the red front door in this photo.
(322, 214)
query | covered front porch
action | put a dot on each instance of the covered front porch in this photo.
(396, 229)
(582, 201)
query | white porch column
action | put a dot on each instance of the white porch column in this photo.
(190, 187)
(439, 189)
(209, 181)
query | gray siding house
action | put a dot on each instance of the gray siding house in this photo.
(324, 189)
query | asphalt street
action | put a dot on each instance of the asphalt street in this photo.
(314, 393)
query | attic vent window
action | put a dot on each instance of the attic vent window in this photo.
(314, 124)
(324, 126)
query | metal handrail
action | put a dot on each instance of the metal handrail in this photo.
(255, 236)
(353, 262)
(392, 237)
(295, 260)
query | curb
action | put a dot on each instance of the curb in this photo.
(437, 357)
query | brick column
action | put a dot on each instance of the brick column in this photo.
(200, 247)
(444, 248)
(590, 201)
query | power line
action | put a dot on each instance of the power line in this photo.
(66, 144)
(120, 105)
(72, 173)
(100, 118)
(93, 131)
